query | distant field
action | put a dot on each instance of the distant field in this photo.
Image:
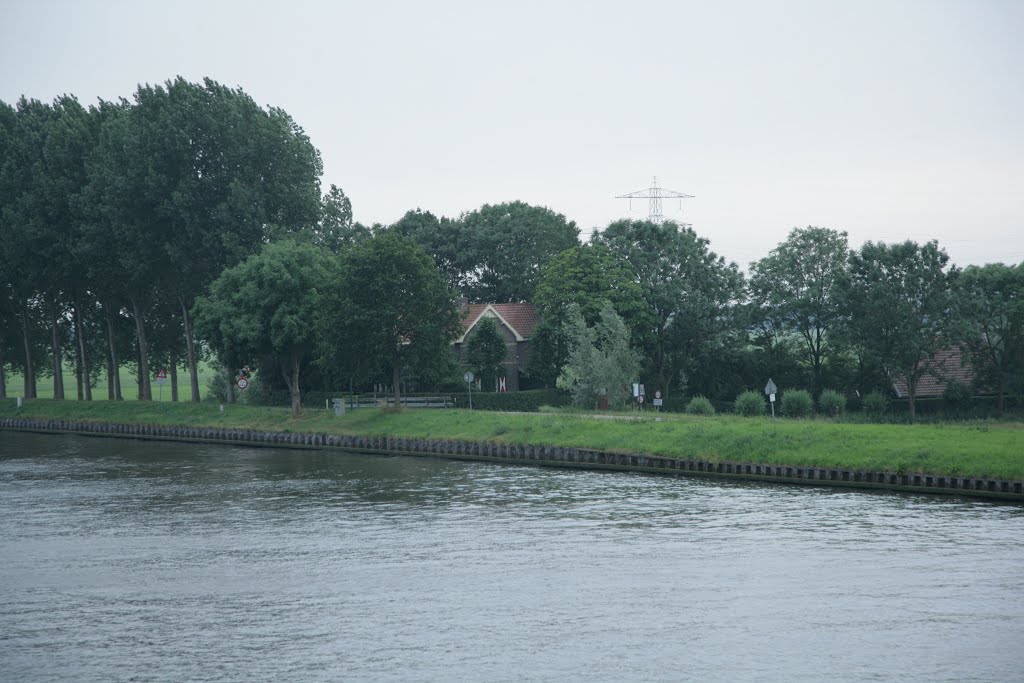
(129, 386)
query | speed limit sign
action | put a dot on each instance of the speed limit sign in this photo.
(242, 383)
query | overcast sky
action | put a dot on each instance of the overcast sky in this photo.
(889, 120)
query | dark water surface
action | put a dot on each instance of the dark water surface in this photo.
(130, 560)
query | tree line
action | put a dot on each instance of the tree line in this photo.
(189, 220)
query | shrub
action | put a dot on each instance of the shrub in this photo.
(699, 405)
(750, 404)
(876, 404)
(831, 403)
(797, 403)
(514, 401)
(957, 396)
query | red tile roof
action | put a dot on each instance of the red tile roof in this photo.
(945, 367)
(522, 318)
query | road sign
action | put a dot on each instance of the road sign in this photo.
(161, 377)
(242, 383)
(468, 377)
(501, 385)
(640, 398)
(641, 389)
(656, 402)
(636, 389)
(657, 395)
(770, 389)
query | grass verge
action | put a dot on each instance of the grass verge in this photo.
(963, 449)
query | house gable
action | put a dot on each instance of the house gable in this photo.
(519, 319)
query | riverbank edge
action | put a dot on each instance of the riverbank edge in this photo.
(544, 456)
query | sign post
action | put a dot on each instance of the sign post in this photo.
(469, 387)
(161, 378)
(770, 390)
(657, 399)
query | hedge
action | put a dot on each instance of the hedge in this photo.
(677, 404)
(514, 401)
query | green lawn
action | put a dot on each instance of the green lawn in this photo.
(129, 386)
(965, 449)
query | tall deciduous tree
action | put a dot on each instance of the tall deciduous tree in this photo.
(440, 238)
(689, 292)
(485, 351)
(601, 360)
(262, 312)
(9, 305)
(503, 247)
(990, 323)
(795, 286)
(194, 178)
(335, 229)
(98, 246)
(588, 276)
(44, 174)
(390, 311)
(899, 300)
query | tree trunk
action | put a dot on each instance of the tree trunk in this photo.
(114, 375)
(174, 377)
(229, 382)
(1002, 393)
(78, 372)
(146, 388)
(3, 376)
(912, 394)
(190, 346)
(80, 333)
(291, 378)
(396, 378)
(58, 361)
(110, 379)
(30, 371)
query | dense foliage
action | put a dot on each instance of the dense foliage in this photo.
(485, 351)
(750, 404)
(699, 405)
(261, 312)
(797, 403)
(601, 361)
(188, 224)
(831, 403)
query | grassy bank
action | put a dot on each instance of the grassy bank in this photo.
(963, 449)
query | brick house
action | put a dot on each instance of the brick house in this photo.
(515, 322)
(944, 367)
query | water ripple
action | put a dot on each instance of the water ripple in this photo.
(150, 561)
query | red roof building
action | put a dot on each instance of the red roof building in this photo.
(946, 366)
(515, 322)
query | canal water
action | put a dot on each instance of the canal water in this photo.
(130, 560)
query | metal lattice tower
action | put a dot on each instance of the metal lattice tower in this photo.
(654, 195)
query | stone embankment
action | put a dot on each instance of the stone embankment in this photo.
(552, 456)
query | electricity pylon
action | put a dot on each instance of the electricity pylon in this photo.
(654, 195)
